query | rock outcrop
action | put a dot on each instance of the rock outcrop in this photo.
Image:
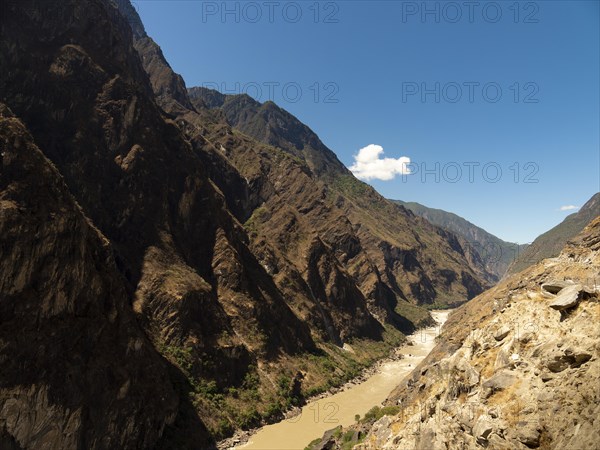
(510, 370)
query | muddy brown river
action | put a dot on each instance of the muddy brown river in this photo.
(321, 415)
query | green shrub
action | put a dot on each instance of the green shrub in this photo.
(376, 413)
(223, 429)
(348, 436)
(251, 380)
(249, 418)
(273, 410)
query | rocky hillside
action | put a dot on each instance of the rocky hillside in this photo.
(415, 261)
(77, 370)
(272, 125)
(518, 367)
(495, 253)
(165, 277)
(169, 276)
(551, 242)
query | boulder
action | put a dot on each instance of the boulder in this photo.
(554, 287)
(577, 356)
(526, 337)
(482, 429)
(545, 377)
(528, 433)
(567, 298)
(426, 439)
(557, 364)
(468, 373)
(498, 443)
(501, 380)
(502, 333)
(503, 358)
(328, 440)
(570, 357)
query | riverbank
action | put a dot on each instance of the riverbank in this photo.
(339, 406)
(242, 437)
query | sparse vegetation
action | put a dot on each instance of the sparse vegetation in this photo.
(259, 215)
(312, 444)
(377, 412)
(349, 185)
(256, 401)
(414, 313)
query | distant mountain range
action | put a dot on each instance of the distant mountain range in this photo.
(549, 244)
(496, 254)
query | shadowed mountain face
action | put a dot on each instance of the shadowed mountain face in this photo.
(495, 254)
(550, 243)
(72, 76)
(165, 275)
(77, 370)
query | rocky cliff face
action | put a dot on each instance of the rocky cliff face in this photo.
(165, 276)
(414, 260)
(72, 75)
(517, 367)
(550, 243)
(77, 370)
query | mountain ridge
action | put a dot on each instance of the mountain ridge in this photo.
(272, 125)
(269, 123)
(496, 254)
(550, 243)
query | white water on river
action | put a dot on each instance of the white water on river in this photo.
(326, 413)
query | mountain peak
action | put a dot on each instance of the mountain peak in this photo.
(269, 123)
(127, 10)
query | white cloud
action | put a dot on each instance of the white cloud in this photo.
(568, 207)
(368, 164)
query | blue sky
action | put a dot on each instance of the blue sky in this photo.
(517, 107)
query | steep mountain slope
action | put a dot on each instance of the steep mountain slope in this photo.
(70, 72)
(550, 243)
(495, 253)
(232, 323)
(322, 292)
(517, 367)
(77, 371)
(416, 261)
(272, 125)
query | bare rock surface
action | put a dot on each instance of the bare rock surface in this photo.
(567, 297)
(65, 315)
(540, 388)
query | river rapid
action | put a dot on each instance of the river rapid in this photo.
(328, 412)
